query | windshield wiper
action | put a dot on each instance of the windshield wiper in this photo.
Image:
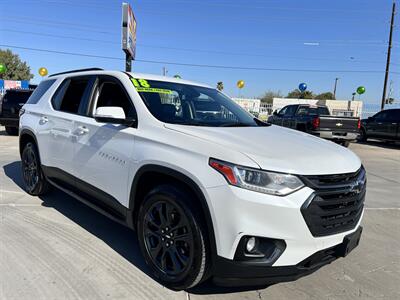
(261, 123)
(235, 125)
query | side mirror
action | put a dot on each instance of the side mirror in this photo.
(370, 119)
(113, 115)
(275, 113)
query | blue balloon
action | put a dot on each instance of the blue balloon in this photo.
(302, 87)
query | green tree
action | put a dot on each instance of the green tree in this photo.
(269, 96)
(325, 96)
(16, 69)
(297, 94)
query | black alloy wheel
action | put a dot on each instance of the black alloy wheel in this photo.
(35, 182)
(171, 238)
(168, 238)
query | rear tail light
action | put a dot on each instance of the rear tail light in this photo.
(359, 124)
(315, 122)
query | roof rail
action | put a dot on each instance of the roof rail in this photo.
(75, 71)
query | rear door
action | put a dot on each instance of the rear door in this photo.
(397, 124)
(288, 116)
(55, 131)
(392, 124)
(103, 151)
(380, 124)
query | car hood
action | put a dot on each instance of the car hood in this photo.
(279, 149)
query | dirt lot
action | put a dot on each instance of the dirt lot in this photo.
(56, 248)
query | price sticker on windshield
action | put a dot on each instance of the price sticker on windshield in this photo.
(143, 86)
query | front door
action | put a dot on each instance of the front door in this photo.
(103, 151)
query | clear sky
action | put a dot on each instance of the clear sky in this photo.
(303, 35)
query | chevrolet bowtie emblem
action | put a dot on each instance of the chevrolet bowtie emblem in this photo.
(339, 124)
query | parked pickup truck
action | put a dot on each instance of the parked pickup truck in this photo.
(12, 102)
(385, 125)
(317, 120)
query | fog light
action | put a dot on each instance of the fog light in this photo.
(251, 244)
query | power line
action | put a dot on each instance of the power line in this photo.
(194, 65)
(186, 49)
(215, 4)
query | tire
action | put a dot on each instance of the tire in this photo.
(345, 144)
(172, 237)
(363, 135)
(11, 130)
(32, 174)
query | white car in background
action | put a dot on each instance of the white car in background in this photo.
(219, 194)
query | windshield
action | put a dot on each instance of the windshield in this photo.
(191, 105)
(315, 111)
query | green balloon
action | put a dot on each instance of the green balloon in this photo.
(2, 69)
(360, 90)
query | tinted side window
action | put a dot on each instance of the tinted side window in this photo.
(290, 111)
(70, 95)
(111, 93)
(393, 115)
(40, 90)
(398, 115)
(303, 111)
(17, 96)
(283, 110)
(323, 111)
(381, 115)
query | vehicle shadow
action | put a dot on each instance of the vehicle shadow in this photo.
(120, 238)
(381, 144)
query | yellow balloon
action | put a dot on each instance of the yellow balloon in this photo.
(43, 71)
(240, 84)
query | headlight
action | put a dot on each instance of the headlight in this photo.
(257, 180)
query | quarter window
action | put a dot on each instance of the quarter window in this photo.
(39, 91)
(69, 96)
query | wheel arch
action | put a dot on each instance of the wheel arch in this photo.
(164, 174)
(25, 137)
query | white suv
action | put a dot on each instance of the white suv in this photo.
(210, 190)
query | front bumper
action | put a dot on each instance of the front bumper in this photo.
(231, 273)
(237, 212)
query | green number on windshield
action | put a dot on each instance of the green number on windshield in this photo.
(140, 83)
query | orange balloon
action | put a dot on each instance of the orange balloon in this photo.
(43, 71)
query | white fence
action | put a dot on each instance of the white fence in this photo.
(336, 107)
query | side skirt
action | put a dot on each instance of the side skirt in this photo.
(87, 194)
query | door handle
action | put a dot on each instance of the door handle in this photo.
(82, 130)
(43, 120)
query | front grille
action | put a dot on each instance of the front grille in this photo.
(337, 203)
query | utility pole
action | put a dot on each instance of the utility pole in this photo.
(388, 56)
(334, 89)
(165, 71)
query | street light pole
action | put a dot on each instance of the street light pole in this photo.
(388, 56)
(334, 89)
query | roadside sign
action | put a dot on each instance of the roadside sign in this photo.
(128, 32)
